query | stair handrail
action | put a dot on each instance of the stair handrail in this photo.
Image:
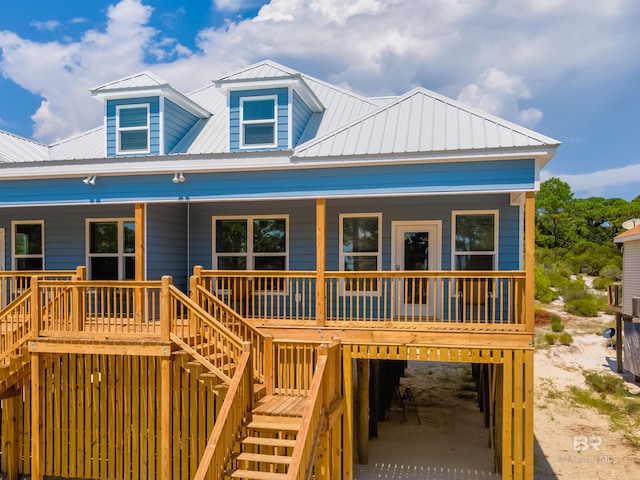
(15, 325)
(321, 394)
(202, 336)
(234, 321)
(235, 409)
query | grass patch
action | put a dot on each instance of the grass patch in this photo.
(608, 395)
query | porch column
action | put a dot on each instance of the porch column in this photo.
(529, 260)
(321, 293)
(140, 221)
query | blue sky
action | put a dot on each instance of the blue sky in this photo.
(564, 68)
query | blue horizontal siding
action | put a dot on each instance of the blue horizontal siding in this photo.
(301, 114)
(154, 114)
(282, 95)
(517, 175)
(177, 122)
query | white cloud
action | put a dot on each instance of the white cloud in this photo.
(495, 54)
(608, 183)
(499, 93)
(49, 25)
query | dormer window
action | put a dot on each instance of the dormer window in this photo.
(132, 123)
(258, 122)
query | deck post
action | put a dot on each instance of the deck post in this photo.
(362, 437)
(36, 307)
(347, 418)
(77, 306)
(36, 420)
(268, 364)
(165, 309)
(321, 292)
(619, 366)
(529, 262)
(165, 418)
(139, 218)
(10, 442)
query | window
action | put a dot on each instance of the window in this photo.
(132, 125)
(475, 240)
(111, 249)
(360, 246)
(258, 122)
(28, 245)
(251, 243)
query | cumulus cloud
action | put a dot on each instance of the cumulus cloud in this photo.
(499, 93)
(498, 55)
(612, 182)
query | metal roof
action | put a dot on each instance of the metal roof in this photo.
(138, 80)
(89, 144)
(15, 149)
(421, 121)
(629, 235)
(264, 69)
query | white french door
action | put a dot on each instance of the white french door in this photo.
(417, 246)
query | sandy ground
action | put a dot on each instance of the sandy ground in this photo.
(451, 443)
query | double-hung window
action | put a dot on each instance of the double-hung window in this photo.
(258, 125)
(475, 237)
(111, 249)
(28, 245)
(132, 128)
(251, 243)
(360, 247)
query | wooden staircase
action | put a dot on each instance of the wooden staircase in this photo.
(13, 370)
(269, 437)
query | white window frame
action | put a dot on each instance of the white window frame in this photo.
(250, 255)
(343, 254)
(120, 254)
(244, 122)
(15, 257)
(496, 230)
(120, 129)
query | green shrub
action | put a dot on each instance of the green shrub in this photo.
(575, 290)
(557, 326)
(543, 291)
(550, 338)
(583, 307)
(600, 283)
(603, 383)
(565, 338)
(612, 272)
(555, 318)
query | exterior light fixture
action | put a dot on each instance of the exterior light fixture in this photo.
(178, 177)
(90, 180)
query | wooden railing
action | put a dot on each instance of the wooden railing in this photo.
(203, 337)
(295, 364)
(98, 309)
(324, 389)
(15, 325)
(467, 298)
(235, 408)
(14, 283)
(614, 296)
(262, 346)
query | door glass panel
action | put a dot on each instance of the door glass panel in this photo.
(416, 257)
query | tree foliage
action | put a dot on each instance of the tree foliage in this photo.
(575, 236)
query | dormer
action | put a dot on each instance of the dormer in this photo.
(144, 115)
(269, 107)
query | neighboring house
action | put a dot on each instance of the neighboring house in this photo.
(398, 224)
(630, 241)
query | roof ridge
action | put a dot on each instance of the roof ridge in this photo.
(20, 137)
(153, 76)
(75, 136)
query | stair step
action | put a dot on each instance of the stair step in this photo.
(269, 442)
(252, 475)
(263, 458)
(274, 424)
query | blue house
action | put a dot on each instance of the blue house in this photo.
(287, 211)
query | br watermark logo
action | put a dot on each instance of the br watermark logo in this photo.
(588, 449)
(582, 443)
